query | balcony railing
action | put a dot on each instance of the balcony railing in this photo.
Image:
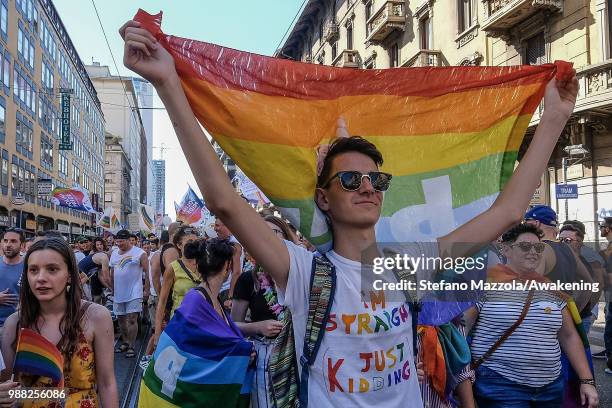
(390, 17)
(332, 32)
(595, 91)
(348, 59)
(501, 15)
(425, 58)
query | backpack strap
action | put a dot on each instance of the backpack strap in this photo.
(188, 272)
(413, 305)
(322, 290)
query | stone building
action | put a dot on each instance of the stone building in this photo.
(37, 61)
(397, 33)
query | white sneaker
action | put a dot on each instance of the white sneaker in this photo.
(607, 371)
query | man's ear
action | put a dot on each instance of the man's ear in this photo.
(321, 199)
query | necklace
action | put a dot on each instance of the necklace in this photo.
(269, 293)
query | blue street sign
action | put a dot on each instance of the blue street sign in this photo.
(567, 191)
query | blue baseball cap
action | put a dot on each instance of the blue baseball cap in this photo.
(542, 213)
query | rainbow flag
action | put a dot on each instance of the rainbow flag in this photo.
(35, 355)
(199, 361)
(146, 217)
(189, 211)
(76, 198)
(109, 220)
(449, 135)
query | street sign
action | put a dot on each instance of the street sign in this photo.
(18, 199)
(567, 191)
(65, 144)
(45, 186)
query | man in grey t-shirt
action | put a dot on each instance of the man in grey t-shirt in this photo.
(11, 268)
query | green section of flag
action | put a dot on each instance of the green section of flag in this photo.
(190, 395)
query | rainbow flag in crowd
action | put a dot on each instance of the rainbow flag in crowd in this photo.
(109, 220)
(35, 355)
(76, 198)
(147, 216)
(199, 361)
(189, 211)
(449, 135)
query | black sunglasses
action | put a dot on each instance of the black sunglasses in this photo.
(351, 180)
(526, 246)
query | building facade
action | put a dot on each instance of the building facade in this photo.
(144, 93)
(159, 186)
(396, 33)
(121, 108)
(37, 60)
(117, 178)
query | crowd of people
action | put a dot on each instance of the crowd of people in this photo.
(61, 291)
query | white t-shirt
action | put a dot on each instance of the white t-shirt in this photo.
(152, 287)
(365, 358)
(127, 275)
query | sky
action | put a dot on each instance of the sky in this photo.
(254, 26)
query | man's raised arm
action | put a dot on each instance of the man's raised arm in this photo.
(143, 55)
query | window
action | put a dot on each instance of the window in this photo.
(349, 37)
(467, 12)
(20, 180)
(535, 50)
(26, 181)
(394, 56)
(20, 41)
(2, 119)
(425, 29)
(63, 164)
(334, 49)
(14, 178)
(4, 178)
(7, 71)
(3, 19)
(76, 173)
(368, 14)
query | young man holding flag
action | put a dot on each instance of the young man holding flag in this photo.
(350, 192)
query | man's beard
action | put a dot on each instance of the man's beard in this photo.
(10, 254)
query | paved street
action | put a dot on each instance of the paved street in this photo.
(604, 381)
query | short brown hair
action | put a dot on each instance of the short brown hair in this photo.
(348, 144)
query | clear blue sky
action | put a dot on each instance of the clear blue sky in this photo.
(255, 26)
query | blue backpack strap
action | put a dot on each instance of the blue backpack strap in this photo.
(322, 290)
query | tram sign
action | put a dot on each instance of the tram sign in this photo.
(567, 191)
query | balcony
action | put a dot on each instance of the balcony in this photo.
(389, 18)
(594, 95)
(502, 15)
(425, 58)
(348, 59)
(332, 32)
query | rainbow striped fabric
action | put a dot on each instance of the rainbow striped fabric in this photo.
(199, 361)
(35, 355)
(449, 135)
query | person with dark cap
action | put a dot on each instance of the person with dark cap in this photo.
(128, 264)
(558, 260)
(605, 231)
(572, 233)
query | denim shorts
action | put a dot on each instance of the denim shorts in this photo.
(492, 390)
